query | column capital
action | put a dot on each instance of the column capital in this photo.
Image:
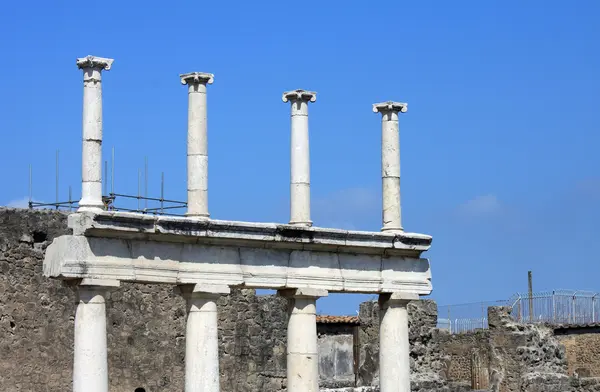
(100, 63)
(397, 298)
(305, 292)
(299, 95)
(390, 106)
(202, 290)
(197, 78)
(93, 283)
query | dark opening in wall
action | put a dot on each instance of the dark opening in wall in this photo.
(140, 390)
(39, 236)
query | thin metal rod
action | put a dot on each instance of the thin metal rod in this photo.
(30, 186)
(70, 200)
(57, 152)
(530, 288)
(139, 185)
(149, 198)
(164, 208)
(59, 204)
(112, 174)
(146, 182)
(131, 210)
(162, 191)
(105, 177)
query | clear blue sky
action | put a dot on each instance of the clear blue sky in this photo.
(500, 144)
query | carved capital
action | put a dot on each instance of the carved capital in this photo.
(197, 77)
(299, 95)
(99, 63)
(390, 106)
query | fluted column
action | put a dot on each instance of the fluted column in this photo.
(302, 353)
(90, 362)
(201, 337)
(394, 348)
(197, 144)
(91, 157)
(300, 156)
(390, 163)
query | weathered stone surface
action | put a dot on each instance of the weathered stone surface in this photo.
(582, 349)
(171, 250)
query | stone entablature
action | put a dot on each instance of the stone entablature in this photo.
(172, 250)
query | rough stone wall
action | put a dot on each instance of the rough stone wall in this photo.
(145, 325)
(467, 358)
(583, 353)
(35, 351)
(524, 357)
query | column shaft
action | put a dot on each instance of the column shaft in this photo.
(394, 348)
(390, 171)
(302, 353)
(91, 157)
(202, 346)
(300, 156)
(197, 151)
(390, 164)
(300, 164)
(90, 364)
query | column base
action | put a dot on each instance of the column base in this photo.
(301, 223)
(198, 216)
(397, 229)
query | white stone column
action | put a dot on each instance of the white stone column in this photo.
(197, 144)
(390, 163)
(90, 363)
(394, 349)
(302, 352)
(201, 337)
(300, 156)
(91, 157)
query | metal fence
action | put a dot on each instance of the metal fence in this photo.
(553, 307)
(557, 307)
(465, 317)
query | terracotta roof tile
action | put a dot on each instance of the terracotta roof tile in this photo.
(338, 319)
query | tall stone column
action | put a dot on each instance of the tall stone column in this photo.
(201, 338)
(91, 157)
(90, 363)
(300, 156)
(390, 163)
(302, 353)
(394, 349)
(197, 144)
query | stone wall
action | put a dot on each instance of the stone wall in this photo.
(582, 347)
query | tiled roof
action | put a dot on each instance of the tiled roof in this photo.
(338, 320)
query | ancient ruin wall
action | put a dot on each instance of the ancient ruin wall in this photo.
(582, 346)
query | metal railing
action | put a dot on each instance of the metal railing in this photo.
(557, 307)
(465, 317)
(552, 307)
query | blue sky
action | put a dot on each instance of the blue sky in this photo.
(499, 146)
